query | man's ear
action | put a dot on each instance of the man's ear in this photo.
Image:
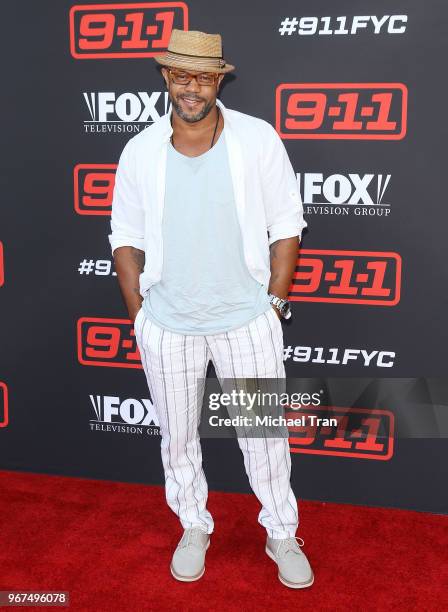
(164, 72)
(220, 78)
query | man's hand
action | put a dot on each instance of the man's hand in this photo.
(276, 312)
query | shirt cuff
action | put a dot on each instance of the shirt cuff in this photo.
(286, 230)
(137, 243)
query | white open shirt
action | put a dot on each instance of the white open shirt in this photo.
(267, 198)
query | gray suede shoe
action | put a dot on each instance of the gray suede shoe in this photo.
(188, 563)
(294, 570)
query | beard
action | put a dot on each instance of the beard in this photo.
(188, 117)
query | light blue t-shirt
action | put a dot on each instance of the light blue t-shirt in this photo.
(205, 287)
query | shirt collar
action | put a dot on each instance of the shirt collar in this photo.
(168, 128)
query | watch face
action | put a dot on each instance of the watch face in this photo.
(286, 310)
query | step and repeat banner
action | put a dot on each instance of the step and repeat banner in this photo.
(356, 91)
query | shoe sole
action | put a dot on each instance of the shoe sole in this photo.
(189, 578)
(291, 585)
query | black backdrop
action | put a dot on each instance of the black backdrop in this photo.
(374, 195)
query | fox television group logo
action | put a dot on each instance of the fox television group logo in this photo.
(130, 415)
(112, 112)
(344, 194)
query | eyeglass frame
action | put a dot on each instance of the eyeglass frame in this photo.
(193, 76)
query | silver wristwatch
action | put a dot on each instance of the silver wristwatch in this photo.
(283, 306)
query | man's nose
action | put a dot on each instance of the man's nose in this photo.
(193, 86)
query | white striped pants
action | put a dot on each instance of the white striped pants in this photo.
(172, 364)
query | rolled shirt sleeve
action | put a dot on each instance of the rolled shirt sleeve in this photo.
(127, 219)
(282, 199)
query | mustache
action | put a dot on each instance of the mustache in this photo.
(195, 98)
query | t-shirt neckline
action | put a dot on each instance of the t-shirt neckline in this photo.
(202, 155)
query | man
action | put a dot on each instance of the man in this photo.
(206, 223)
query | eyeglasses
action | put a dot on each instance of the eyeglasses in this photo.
(180, 77)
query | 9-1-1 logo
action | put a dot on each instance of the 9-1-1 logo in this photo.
(107, 342)
(3, 404)
(347, 277)
(2, 273)
(344, 111)
(140, 29)
(362, 433)
(93, 188)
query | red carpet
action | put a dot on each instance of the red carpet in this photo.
(109, 544)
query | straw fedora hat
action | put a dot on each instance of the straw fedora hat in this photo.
(193, 50)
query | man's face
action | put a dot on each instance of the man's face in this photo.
(191, 102)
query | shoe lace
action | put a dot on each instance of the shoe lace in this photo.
(292, 544)
(191, 537)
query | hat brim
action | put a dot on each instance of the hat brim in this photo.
(170, 63)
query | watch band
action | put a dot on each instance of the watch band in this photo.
(282, 305)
